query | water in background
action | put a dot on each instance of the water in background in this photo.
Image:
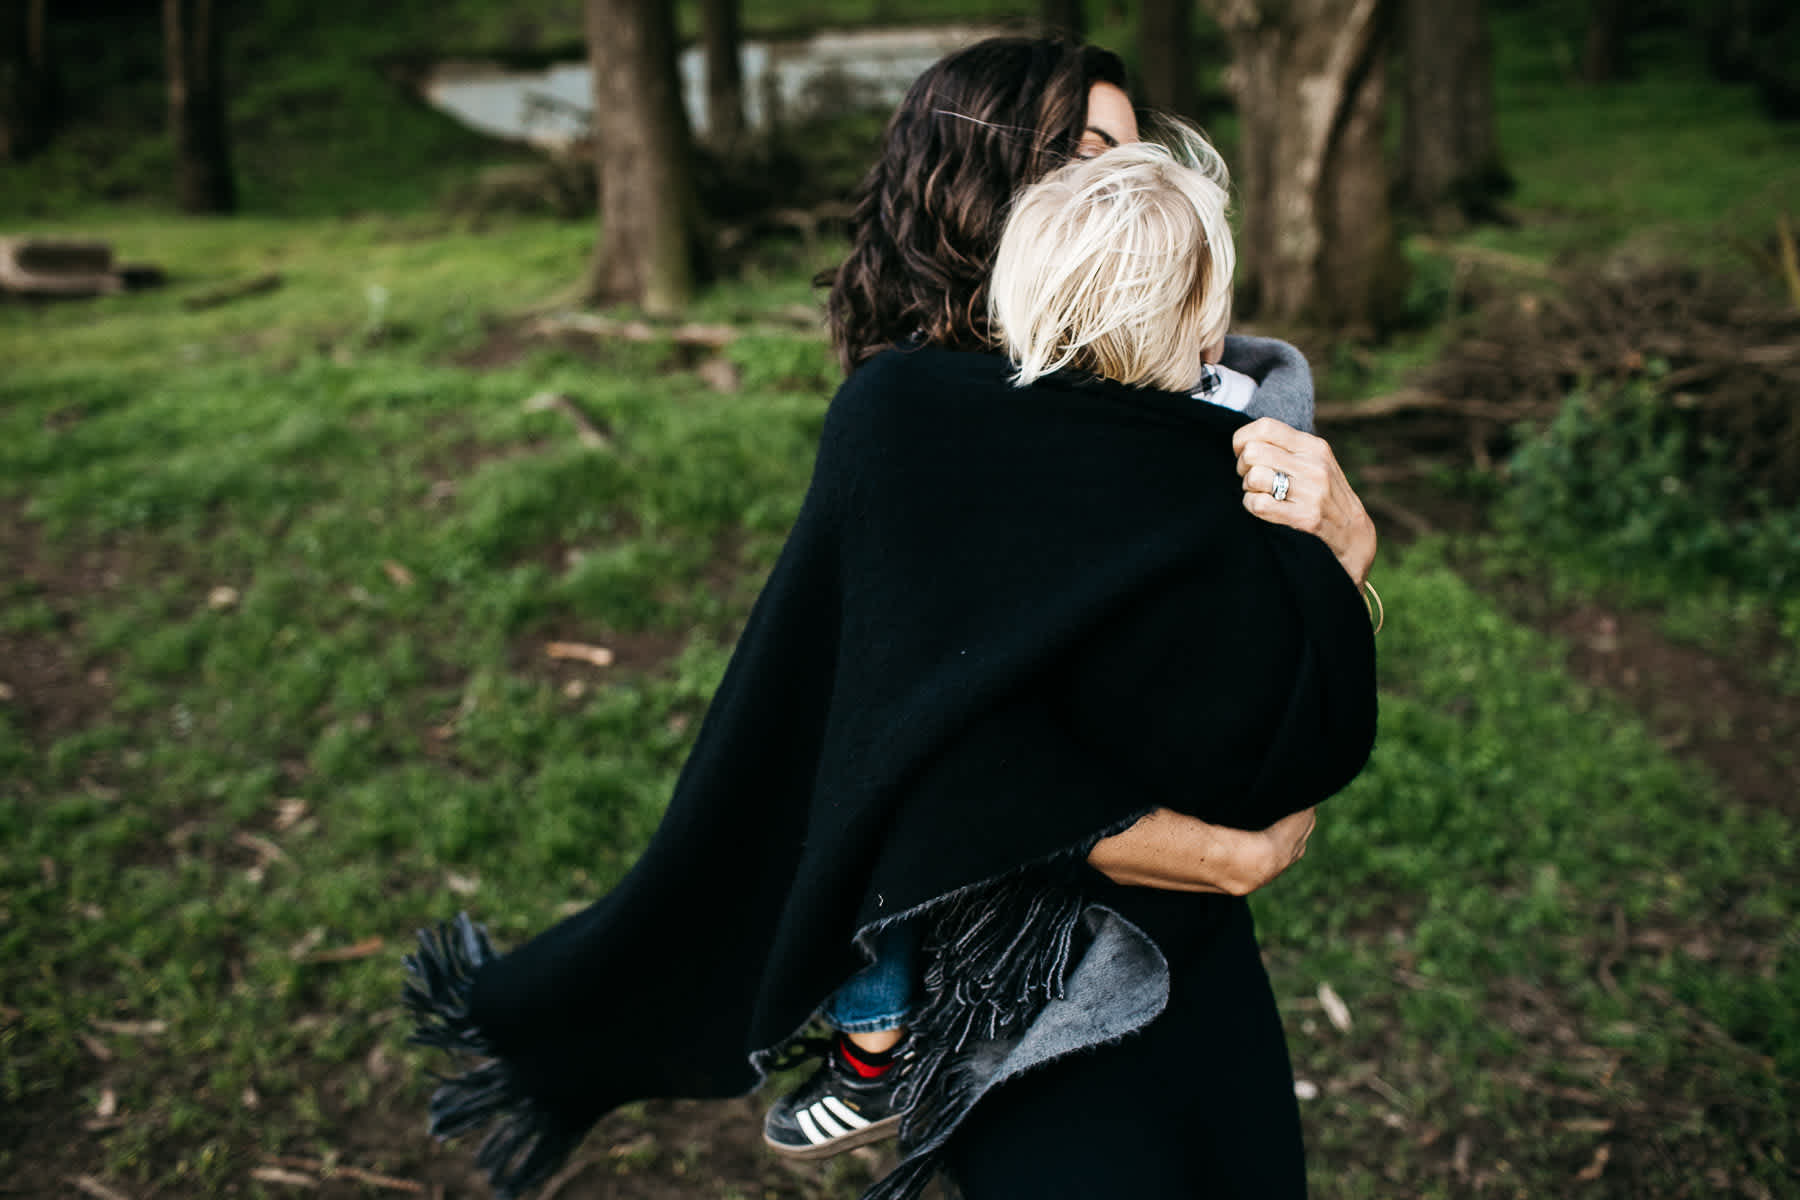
(784, 80)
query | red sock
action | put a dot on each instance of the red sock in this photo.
(866, 1064)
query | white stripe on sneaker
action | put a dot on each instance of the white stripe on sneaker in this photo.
(809, 1128)
(845, 1113)
(822, 1115)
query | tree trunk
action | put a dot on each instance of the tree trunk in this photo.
(648, 250)
(1318, 241)
(1064, 16)
(1605, 58)
(27, 85)
(722, 37)
(1166, 56)
(1730, 34)
(1450, 168)
(192, 56)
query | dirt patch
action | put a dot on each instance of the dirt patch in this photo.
(1701, 707)
(507, 343)
(50, 682)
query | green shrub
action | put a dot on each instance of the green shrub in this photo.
(1620, 482)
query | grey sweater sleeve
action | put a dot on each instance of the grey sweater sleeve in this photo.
(1284, 385)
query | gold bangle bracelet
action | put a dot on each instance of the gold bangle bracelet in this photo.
(1377, 611)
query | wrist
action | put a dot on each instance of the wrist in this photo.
(1359, 553)
(1250, 858)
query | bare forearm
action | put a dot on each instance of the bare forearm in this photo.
(1169, 850)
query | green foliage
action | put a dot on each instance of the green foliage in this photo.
(1621, 482)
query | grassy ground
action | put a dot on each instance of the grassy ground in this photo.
(281, 575)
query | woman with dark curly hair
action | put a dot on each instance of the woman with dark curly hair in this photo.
(1026, 686)
(973, 130)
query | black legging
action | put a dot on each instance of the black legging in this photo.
(1199, 1104)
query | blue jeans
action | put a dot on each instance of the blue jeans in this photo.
(880, 995)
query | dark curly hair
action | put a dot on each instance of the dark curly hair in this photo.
(975, 128)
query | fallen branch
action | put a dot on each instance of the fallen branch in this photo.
(239, 290)
(1411, 400)
(593, 325)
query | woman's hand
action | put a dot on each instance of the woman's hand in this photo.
(1175, 852)
(1319, 500)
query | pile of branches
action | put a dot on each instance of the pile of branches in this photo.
(1722, 355)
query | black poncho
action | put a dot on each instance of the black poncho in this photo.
(1007, 621)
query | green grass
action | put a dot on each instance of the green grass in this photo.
(409, 751)
(1552, 935)
(1668, 162)
(297, 449)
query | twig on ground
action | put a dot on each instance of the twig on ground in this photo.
(363, 949)
(96, 1189)
(133, 1028)
(587, 432)
(1336, 1011)
(562, 1178)
(282, 1176)
(1394, 1095)
(262, 847)
(329, 1170)
(1593, 1170)
(598, 656)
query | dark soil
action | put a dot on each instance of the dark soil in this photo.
(52, 685)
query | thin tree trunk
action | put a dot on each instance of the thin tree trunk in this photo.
(1318, 241)
(722, 37)
(192, 55)
(1604, 58)
(648, 249)
(1450, 168)
(1166, 55)
(27, 83)
(1064, 16)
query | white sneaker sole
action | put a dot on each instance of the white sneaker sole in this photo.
(875, 1131)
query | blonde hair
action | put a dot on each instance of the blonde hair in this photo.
(1119, 265)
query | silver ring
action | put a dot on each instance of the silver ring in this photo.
(1279, 491)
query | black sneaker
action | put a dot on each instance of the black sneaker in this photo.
(835, 1110)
